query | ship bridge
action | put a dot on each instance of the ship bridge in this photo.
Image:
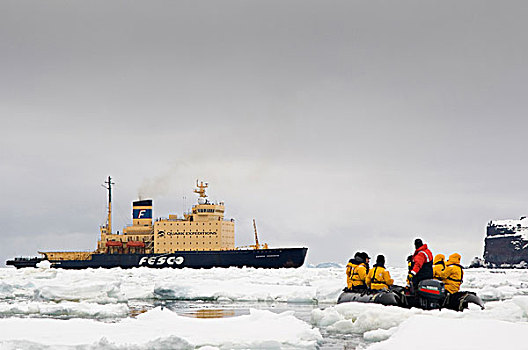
(203, 229)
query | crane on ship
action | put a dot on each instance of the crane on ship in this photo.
(257, 245)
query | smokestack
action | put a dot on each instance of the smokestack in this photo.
(142, 212)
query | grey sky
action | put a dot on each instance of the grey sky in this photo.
(338, 125)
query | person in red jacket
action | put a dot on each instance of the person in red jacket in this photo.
(421, 264)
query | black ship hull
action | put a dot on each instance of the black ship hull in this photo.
(24, 262)
(263, 258)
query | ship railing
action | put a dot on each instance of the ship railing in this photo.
(68, 251)
(26, 258)
(169, 219)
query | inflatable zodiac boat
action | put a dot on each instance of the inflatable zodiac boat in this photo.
(430, 295)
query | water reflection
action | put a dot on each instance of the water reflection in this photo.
(215, 313)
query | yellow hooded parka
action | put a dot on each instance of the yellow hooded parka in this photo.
(349, 270)
(438, 266)
(359, 275)
(453, 274)
(378, 278)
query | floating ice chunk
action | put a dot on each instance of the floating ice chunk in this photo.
(44, 264)
(358, 318)
(325, 318)
(342, 326)
(64, 309)
(379, 334)
(93, 291)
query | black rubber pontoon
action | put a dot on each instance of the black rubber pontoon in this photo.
(430, 295)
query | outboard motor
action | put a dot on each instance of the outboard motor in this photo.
(431, 294)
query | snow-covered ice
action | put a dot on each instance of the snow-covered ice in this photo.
(129, 309)
(446, 334)
(259, 329)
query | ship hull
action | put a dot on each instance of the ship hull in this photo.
(264, 258)
(24, 262)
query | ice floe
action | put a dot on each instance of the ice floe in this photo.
(165, 329)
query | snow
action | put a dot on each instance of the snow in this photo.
(520, 228)
(511, 223)
(119, 309)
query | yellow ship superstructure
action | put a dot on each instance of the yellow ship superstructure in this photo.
(202, 229)
(137, 238)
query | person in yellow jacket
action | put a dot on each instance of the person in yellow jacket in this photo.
(453, 274)
(378, 278)
(359, 273)
(352, 263)
(438, 266)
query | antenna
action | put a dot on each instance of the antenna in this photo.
(201, 190)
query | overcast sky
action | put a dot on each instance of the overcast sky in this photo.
(337, 125)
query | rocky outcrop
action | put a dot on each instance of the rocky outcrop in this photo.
(506, 243)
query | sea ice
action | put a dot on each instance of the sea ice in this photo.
(259, 329)
(447, 334)
(43, 308)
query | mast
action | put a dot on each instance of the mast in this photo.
(109, 188)
(257, 246)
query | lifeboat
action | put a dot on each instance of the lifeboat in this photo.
(113, 244)
(430, 295)
(135, 244)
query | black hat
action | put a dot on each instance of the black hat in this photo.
(418, 243)
(365, 256)
(380, 260)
